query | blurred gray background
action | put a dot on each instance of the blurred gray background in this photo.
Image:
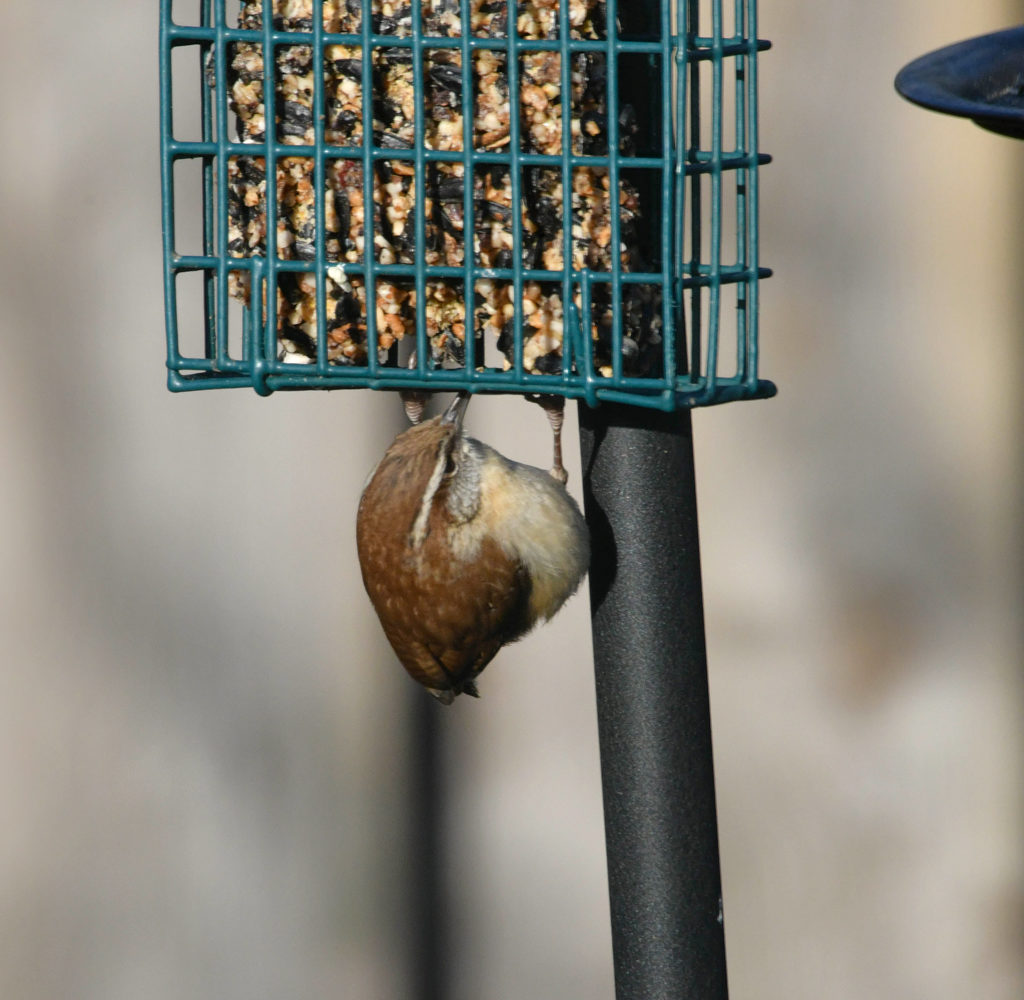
(204, 740)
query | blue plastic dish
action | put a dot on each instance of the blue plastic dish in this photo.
(981, 79)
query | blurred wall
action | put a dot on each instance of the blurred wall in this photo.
(862, 534)
(204, 739)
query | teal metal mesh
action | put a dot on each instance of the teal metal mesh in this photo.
(687, 99)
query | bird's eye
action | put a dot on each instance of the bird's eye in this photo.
(450, 467)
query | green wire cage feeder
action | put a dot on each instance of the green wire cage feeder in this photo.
(615, 259)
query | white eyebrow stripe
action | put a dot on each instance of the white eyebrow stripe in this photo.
(419, 526)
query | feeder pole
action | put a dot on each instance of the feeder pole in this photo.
(652, 702)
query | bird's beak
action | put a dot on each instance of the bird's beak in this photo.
(456, 410)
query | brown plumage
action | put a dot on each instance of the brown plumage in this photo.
(463, 551)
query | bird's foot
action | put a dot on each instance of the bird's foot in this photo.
(554, 410)
(415, 403)
(414, 400)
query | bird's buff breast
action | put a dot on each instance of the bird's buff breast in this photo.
(539, 526)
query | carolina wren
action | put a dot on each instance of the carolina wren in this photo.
(463, 550)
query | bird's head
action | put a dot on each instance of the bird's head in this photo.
(440, 465)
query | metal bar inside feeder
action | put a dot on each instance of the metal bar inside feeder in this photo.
(652, 701)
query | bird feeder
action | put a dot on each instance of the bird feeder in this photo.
(555, 197)
(287, 270)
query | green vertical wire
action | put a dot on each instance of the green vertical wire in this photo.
(268, 349)
(587, 310)
(221, 318)
(753, 283)
(209, 186)
(419, 202)
(565, 83)
(258, 306)
(615, 211)
(742, 229)
(715, 262)
(515, 180)
(167, 182)
(369, 235)
(468, 183)
(679, 138)
(209, 204)
(668, 221)
(696, 182)
(319, 188)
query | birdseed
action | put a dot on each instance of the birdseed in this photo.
(541, 117)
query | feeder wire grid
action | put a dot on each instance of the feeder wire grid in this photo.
(399, 127)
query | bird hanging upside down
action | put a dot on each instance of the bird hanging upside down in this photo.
(463, 550)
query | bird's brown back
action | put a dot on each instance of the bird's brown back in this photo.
(446, 618)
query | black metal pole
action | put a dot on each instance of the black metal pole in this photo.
(652, 701)
(428, 898)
